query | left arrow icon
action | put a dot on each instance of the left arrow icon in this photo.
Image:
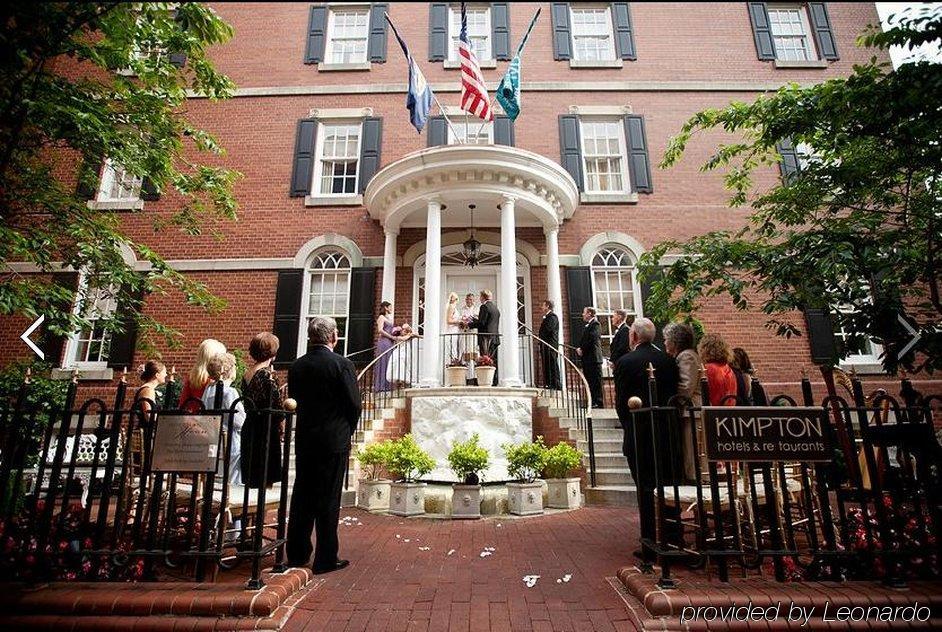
(29, 343)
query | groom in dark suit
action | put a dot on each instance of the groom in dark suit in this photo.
(488, 325)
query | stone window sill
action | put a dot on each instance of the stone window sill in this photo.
(863, 368)
(348, 200)
(328, 67)
(454, 64)
(116, 205)
(596, 63)
(608, 198)
(84, 374)
(807, 63)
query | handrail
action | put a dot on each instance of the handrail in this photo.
(585, 382)
(380, 356)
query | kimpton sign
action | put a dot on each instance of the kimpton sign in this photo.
(777, 433)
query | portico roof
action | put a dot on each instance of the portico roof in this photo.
(458, 175)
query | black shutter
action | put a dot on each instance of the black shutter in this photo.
(362, 306)
(438, 31)
(500, 31)
(624, 36)
(377, 44)
(121, 353)
(639, 167)
(645, 293)
(823, 35)
(761, 30)
(304, 146)
(570, 147)
(372, 140)
(788, 166)
(316, 35)
(149, 191)
(820, 335)
(178, 59)
(287, 316)
(51, 344)
(503, 131)
(88, 178)
(562, 37)
(437, 131)
(578, 296)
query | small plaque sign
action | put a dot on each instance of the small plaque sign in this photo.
(776, 433)
(186, 443)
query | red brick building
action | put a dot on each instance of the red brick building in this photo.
(343, 203)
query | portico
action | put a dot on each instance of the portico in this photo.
(435, 188)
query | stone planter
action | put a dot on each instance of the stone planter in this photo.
(563, 493)
(465, 501)
(407, 499)
(485, 375)
(525, 499)
(456, 375)
(373, 495)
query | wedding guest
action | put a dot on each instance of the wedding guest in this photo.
(619, 346)
(261, 391)
(198, 377)
(324, 384)
(549, 355)
(400, 369)
(385, 339)
(153, 374)
(222, 372)
(716, 355)
(590, 351)
(678, 342)
(742, 369)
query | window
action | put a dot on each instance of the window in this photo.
(791, 33)
(474, 133)
(347, 34)
(852, 347)
(479, 32)
(116, 185)
(804, 154)
(89, 347)
(338, 159)
(592, 35)
(613, 287)
(328, 293)
(603, 152)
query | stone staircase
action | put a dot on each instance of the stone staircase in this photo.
(614, 485)
(373, 425)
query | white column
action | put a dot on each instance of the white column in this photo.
(554, 290)
(431, 337)
(389, 266)
(509, 364)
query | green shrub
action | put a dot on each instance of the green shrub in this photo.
(375, 458)
(468, 457)
(561, 460)
(525, 460)
(407, 460)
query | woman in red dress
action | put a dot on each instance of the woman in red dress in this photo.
(198, 377)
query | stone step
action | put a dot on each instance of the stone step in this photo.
(607, 460)
(605, 434)
(570, 422)
(597, 413)
(606, 477)
(601, 445)
(612, 495)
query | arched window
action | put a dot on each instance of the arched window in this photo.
(327, 293)
(613, 287)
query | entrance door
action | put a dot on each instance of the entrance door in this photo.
(462, 282)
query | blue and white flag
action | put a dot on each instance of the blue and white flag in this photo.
(508, 91)
(419, 97)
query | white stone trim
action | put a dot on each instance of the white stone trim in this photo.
(524, 248)
(329, 239)
(328, 67)
(608, 198)
(600, 110)
(84, 375)
(340, 113)
(596, 63)
(455, 110)
(801, 63)
(333, 200)
(454, 64)
(596, 241)
(116, 205)
(565, 261)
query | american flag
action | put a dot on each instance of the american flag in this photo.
(474, 99)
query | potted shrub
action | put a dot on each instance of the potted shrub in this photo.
(407, 462)
(467, 460)
(524, 462)
(456, 372)
(484, 370)
(563, 491)
(373, 491)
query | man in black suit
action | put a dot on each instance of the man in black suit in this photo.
(631, 380)
(488, 325)
(325, 386)
(549, 358)
(590, 351)
(619, 346)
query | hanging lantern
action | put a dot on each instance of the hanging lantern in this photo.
(472, 247)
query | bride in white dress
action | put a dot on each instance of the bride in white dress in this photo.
(453, 324)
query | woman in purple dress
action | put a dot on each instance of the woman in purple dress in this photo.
(384, 341)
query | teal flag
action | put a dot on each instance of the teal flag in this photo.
(508, 91)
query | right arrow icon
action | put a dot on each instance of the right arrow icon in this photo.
(29, 331)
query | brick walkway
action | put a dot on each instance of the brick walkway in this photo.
(394, 584)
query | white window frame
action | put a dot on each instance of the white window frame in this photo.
(331, 38)
(319, 158)
(605, 316)
(805, 22)
(106, 181)
(487, 131)
(72, 345)
(864, 362)
(622, 147)
(612, 55)
(306, 295)
(454, 32)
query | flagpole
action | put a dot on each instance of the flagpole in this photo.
(441, 109)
